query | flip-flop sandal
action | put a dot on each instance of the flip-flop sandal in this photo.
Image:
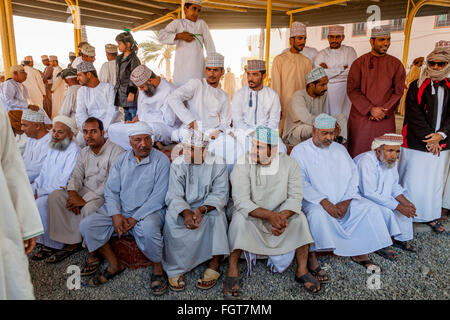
(96, 281)
(177, 283)
(404, 245)
(436, 226)
(228, 292)
(209, 279)
(161, 287)
(43, 254)
(367, 263)
(316, 273)
(60, 255)
(90, 267)
(385, 253)
(308, 277)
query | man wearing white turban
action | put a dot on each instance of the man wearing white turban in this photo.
(134, 203)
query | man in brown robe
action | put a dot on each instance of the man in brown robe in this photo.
(47, 78)
(376, 82)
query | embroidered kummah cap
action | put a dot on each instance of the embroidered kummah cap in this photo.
(68, 122)
(315, 74)
(72, 54)
(111, 48)
(53, 58)
(381, 31)
(85, 66)
(28, 58)
(298, 29)
(33, 116)
(139, 127)
(195, 138)
(87, 50)
(140, 75)
(197, 2)
(324, 121)
(388, 139)
(68, 73)
(16, 68)
(44, 57)
(215, 60)
(335, 30)
(267, 135)
(443, 44)
(256, 65)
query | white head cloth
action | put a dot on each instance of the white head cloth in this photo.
(68, 122)
(388, 139)
(138, 128)
(298, 29)
(33, 116)
(215, 60)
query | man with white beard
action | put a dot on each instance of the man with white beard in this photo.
(56, 171)
(379, 182)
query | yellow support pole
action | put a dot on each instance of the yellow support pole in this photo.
(268, 29)
(10, 28)
(291, 20)
(316, 6)
(75, 11)
(7, 36)
(170, 16)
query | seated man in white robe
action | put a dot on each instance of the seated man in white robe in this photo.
(37, 145)
(379, 182)
(83, 195)
(94, 99)
(202, 105)
(196, 226)
(255, 105)
(69, 105)
(55, 173)
(134, 204)
(306, 105)
(152, 109)
(340, 220)
(267, 217)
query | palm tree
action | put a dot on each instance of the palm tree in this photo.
(154, 51)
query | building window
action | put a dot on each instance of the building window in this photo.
(325, 33)
(397, 25)
(359, 29)
(443, 20)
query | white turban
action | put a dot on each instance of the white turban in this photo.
(139, 127)
(388, 139)
(68, 122)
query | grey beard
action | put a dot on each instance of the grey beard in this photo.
(385, 163)
(61, 145)
(150, 90)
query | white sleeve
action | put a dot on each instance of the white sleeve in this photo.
(168, 34)
(237, 113)
(275, 111)
(207, 39)
(81, 115)
(179, 96)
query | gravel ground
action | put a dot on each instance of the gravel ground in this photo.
(421, 275)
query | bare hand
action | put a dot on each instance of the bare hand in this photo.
(345, 67)
(406, 210)
(185, 36)
(130, 97)
(33, 107)
(131, 223)
(277, 232)
(377, 113)
(29, 245)
(213, 135)
(277, 221)
(433, 138)
(343, 208)
(324, 65)
(188, 216)
(434, 148)
(120, 224)
(197, 217)
(330, 208)
(338, 130)
(193, 125)
(75, 200)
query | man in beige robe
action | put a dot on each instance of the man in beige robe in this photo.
(58, 87)
(108, 70)
(290, 68)
(20, 222)
(33, 83)
(229, 83)
(306, 105)
(267, 217)
(84, 193)
(47, 78)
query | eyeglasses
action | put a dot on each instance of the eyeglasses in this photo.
(439, 64)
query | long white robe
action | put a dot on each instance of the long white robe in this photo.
(155, 112)
(58, 88)
(35, 86)
(35, 152)
(19, 218)
(56, 171)
(330, 173)
(189, 56)
(13, 95)
(336, 59)
(446, 199)
(108, 72)
(69, 105)
(380, 185)
(190, 187)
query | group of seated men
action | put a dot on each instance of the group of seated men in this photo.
(317, 199)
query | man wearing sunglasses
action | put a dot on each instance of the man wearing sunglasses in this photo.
(425, 156)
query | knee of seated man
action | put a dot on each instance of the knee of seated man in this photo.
(56, 196)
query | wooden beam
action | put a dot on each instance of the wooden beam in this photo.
(127, 6)
(154, 4)
(241, 4)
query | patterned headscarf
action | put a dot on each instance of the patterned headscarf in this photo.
(441, 54)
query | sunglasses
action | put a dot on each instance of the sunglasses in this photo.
(439, 64)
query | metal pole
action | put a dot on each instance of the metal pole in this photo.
(10, 29)
(268, 29)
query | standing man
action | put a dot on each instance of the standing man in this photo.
(34, 84)
(69, 105)
(58, 87)
(290, 68)
(191, 36)
(376, 82)
(337, 60)
(108, 70)
(229, 83)
(72, 57)
(20, 222)
(47, 78)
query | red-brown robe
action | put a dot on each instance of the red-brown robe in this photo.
(47, 77)
(373, 81)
